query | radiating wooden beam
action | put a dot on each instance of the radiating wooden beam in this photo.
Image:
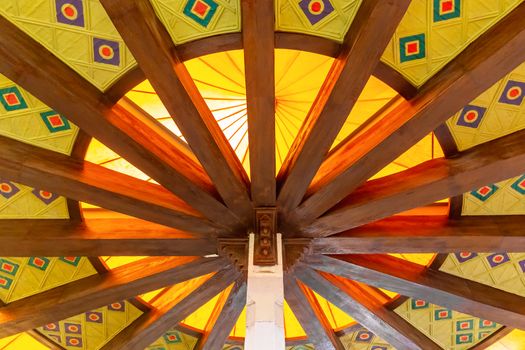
(310, 315)
(99, 290)
(429, 234)
(155, 52)
(224, 317)
(100, 237)
(433, 180)
(259, 65)
(375, 22)
(124, 128)
(169, 311)
(364, 306)
(440, 288)
(91, 183)
(472, 72)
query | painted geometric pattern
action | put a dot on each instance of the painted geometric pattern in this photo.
(174, 340)
(433, 32)
(504, 271)
(362, 339)
(21, 202)
(23, 277)
(503, 198)
(447, 328)
(326, 18)
(25, 118)
(79, 32)
(188, 20)
(497, 112)
(93, 329)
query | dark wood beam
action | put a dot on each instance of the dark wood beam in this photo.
(99, 290)
(224, 317)
(440, 288)
(472, 72)
(433, 180)
(100, 237)
(375, 22)
(428, 234)
(310, 315)
(259, 63)
(124, 128)
(365, 306)
(155, 52)
(170, 310)
(91, 183)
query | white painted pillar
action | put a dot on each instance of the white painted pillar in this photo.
(265, 303)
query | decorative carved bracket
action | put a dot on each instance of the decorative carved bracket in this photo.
(235, 249)
(265, 250)
(294, 249)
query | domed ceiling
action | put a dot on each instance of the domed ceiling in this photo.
(422, 141)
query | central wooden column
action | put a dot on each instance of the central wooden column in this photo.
(265, 295)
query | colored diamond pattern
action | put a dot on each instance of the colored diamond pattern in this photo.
(442, 314)
(412, 48)
(5, 282)
(519, 185)
(72, 328)
(419, 304)
(96, 317)
(172, 338)
(83, 331)
(201, 11)
(52, 327)
(12, 99)
(121, 307)
(8, 267)
(471, 116)
(74, 341)
(8, 189)
(513, 93)
(40, 263)
(484, 192)
(464, 256)
(70, 12)
(106, 51)
(364, 336)
(464, 338)
(466, 325)
(55, 122)
(497, 259)
(45, 196)
(446, 9)
(71, 260)
(316, 10)
(487, 324)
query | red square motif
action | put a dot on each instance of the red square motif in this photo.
(200, 8)
(447, 6)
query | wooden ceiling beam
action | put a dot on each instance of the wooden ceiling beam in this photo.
(364, 306)
(259, 65)
(100, 237)
(426, 183)
(123, 127)
(428, 234)
(484, 62)
(171, 309)
(224, 317)
(375, 23)
(417, 281)
(310, 315)
(155, 52)
(91, 183)
(96, 291)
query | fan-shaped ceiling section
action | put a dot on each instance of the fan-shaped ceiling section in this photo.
(298, 77)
